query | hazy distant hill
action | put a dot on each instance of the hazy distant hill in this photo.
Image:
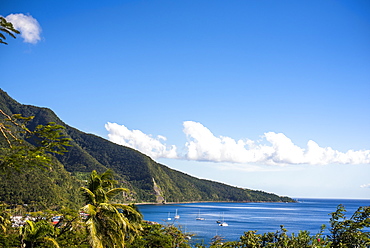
(148, 180)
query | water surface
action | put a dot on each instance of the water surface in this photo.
(306, 214)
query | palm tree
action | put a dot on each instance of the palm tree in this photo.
(108, 224)
(35, 233)
(6, 28)
(135, 219)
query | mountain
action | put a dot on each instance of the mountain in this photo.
(148, 180)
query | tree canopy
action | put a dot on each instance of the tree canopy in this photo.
(22, 147)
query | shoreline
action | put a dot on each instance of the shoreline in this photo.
(172, 203)
(296, 200)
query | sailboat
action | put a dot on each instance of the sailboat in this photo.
(223, 223)
(198, 217)
(169, 218)
(176, 216)
(219, 220)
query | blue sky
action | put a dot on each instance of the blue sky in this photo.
(267, 95)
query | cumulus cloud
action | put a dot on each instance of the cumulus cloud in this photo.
(28, 26)
(153, 147)
(203, 145)
(365, 185)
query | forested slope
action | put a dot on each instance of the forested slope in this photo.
(133, 169)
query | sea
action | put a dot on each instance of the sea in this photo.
(305, 214)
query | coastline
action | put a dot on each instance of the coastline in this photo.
(173, 203)
(295, 200)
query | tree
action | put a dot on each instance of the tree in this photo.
(24, 147)
(107, 223)
(349, 232)
(154, 235)
(6, 28)
(35, 233)
(72, 231)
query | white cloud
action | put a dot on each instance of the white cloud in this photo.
(203, 145)
(365, 185)
(28, 26)
(136, 139)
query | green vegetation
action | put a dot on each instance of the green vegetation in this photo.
(23, 148)
(29, 174)
(71, 229)
(39, 191)
(6, 28)
(33, 234)
(344, 233)
(65, 172)
(154, 235)
(100, 223)
(107, 223)
(40, 197)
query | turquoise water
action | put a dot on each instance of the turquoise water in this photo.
(307, 214)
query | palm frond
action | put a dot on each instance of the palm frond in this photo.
(89, 209)
(108, 179)
(89, 195)
(6, 27)
(130, 212)
(95, 181)
(112, 212)
(7, 31)
(94, 237)
(52, 241)
(113, 192)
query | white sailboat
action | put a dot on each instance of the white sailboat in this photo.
(223, 223)
(198, 217)
(169, 218)
(176, 216)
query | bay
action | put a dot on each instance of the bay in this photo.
(306, 214)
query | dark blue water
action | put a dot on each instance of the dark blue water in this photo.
(307, 214)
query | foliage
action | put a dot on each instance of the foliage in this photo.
(30, 175)
(345, 233)
(348, 232)
(19, 151)
(70, 232)
(4, 218)
(279, 239)
(34, 233)
(154, 235)
(137, 171)
(72, 229)
(133, 169)
(47, 228)
(107, 223)
(6, 28)
(39, 189)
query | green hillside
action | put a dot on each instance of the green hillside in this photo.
(149, 181)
